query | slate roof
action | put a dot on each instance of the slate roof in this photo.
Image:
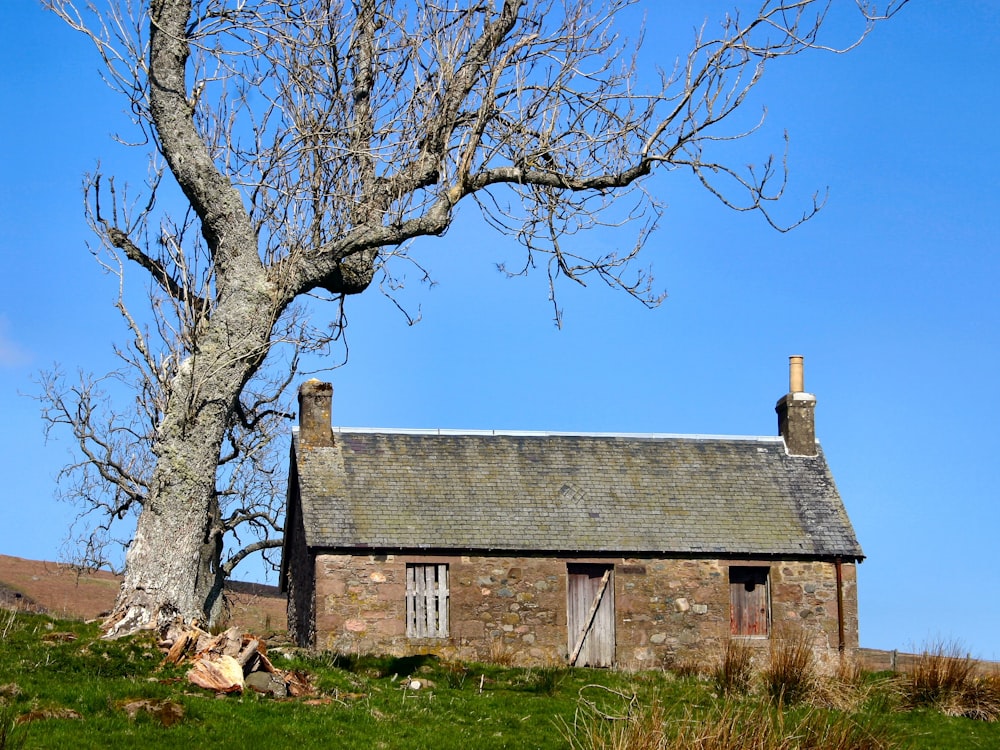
(570, 493)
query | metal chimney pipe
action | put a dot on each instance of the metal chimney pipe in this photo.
(796, 379)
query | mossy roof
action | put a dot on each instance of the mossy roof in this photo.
(563, 493)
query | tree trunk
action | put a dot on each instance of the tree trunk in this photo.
(173, 566)
(172, 569)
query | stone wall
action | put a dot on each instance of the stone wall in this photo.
(804, 594)
(300, 583)
(515, 608)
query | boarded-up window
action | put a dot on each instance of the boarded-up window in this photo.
(750, 610)
(427, 600)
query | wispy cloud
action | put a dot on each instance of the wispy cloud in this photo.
(12, 354)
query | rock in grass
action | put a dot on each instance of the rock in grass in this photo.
(267, 683)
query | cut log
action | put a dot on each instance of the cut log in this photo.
(229, 642)
(246, 656)
(179, 628)
(221, 674)
(185, 641)
(264, 664)
(233, 642)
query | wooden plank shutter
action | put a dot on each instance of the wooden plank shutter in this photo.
(427, 600)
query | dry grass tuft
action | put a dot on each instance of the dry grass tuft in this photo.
(729, 725)
(979, 699)
(501, 654)
(734, 673)
(685, 666)
(791, 673)
(941, 672)
(947, 680)
(794, 674)
(640, 728)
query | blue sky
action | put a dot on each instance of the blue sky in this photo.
(890, 294)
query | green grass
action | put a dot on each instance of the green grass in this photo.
(51, 668)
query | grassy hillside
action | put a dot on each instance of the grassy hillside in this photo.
(61, 686)
(64, 591)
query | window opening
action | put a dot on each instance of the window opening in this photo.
(427, 600)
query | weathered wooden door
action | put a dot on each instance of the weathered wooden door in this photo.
(590, 614)
(750, 605)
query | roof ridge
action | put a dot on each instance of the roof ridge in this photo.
(441, 431)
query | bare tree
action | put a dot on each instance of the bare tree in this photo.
(115, 443)
(313, 141)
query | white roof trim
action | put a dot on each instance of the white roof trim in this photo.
(544, 433)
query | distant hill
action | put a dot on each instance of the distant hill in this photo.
(62, 591)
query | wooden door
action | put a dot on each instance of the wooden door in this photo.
(749, 601)
(590, 614)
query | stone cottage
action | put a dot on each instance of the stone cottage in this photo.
(587, 549)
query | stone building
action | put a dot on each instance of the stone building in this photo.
(587, 549)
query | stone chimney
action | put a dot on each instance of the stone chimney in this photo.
(797, 413)
(315, 407)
